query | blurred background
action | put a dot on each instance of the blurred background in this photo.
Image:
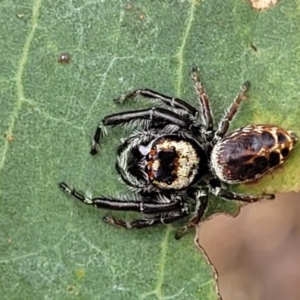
(257, 254)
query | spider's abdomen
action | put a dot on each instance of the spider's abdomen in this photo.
(174, 163)
(250, 152)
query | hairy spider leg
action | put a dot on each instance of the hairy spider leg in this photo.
(201, 198)
(167, 100)
(203, 101)
(218, 191)
(225, 121)
(154, 113)
(112, 203)
(163, 218)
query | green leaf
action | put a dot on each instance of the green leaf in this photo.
(55, 248)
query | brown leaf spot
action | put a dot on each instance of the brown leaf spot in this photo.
(263, 4)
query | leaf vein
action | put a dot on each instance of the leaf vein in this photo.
(19, 78)
(180, 52)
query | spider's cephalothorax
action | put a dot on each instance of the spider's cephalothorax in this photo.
(164, 162)
(174, 159)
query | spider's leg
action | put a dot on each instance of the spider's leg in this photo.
(228, 195)
(203, 101)
(155, 113)
(113, 203)
(99, 134)
(170, 101)
(201, 198)
(164, 218)
(225, 122)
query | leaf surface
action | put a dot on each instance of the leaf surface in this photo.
(55, 248)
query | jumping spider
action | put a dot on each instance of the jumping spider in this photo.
(174, 159)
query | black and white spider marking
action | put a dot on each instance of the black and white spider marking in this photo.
(174, 158)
